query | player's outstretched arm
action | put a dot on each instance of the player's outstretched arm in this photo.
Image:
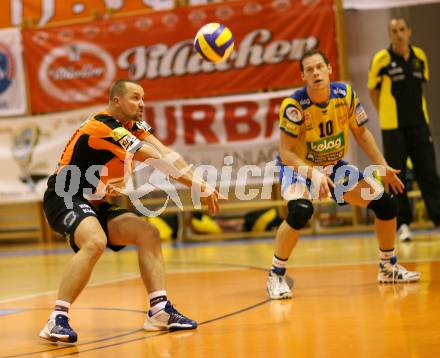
(374, 95)
(163, 158)
(288, 153)
(368, 144)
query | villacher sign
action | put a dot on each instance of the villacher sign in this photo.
(72, 66)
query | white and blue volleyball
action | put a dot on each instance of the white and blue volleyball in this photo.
(214, 42)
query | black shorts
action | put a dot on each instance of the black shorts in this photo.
(65, 221)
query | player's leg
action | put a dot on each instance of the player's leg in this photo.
(88, 240)
(299, 211)
(422, 155)
(129, 229)
(384, 207)
(396, 152)
(295, 189)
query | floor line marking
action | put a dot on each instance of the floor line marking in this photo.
(228, 267)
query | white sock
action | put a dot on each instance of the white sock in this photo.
(160, 305)
(386, 255)
(278, 265)
(155, 294)
(156, 308)
(61, 307)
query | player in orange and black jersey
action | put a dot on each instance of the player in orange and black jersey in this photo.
(92, 162)
(395, 81)
(92, 159)
(103, 141)
(93, 166)
(314, 125)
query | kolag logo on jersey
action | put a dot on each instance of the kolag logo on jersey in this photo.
(7, 68)
(326, 145)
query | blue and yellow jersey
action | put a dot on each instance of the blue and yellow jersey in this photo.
(322, 128)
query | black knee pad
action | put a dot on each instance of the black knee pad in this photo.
(300, 211)
(385, 208)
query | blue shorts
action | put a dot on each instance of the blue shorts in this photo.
(345, 179)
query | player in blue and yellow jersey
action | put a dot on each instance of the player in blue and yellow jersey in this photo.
(314, 124)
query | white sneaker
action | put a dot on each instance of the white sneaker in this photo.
(57, 329)
(277, 287)
(168, 319)
(394, 273)
(404, 233)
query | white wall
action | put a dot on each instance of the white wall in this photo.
(382, 4)
(425, 23)
(366, 33)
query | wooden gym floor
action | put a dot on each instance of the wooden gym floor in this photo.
(338, 308)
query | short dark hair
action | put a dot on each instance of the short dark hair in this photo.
(397, 18)
(310, 53)
(118, 88)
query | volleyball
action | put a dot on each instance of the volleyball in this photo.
(214, 42)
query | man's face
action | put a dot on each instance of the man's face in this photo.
(131, 102)
(399, 33)
(316, 72)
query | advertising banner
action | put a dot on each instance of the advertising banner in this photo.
(73, 66)
(30, 148)
(12, 88)
(239, 133)
(48, 12)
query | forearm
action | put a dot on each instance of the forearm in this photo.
(374, 95)
(368, 144)
(187, 177)
(292, 160)
(168, 162)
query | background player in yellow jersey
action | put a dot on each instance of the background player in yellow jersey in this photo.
(395, 81)
(314, 125)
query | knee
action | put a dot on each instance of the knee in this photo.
(95, 246)
(299, 213)
(385, 208)
(152, 233)
(148, 234)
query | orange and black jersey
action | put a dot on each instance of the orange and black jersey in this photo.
(98, 151)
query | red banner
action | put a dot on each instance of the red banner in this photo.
(44, 12)
(73, 66)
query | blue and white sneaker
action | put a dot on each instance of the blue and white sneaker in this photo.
(277, 287)
(394, 273)
(58, 330)
(168, 319)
